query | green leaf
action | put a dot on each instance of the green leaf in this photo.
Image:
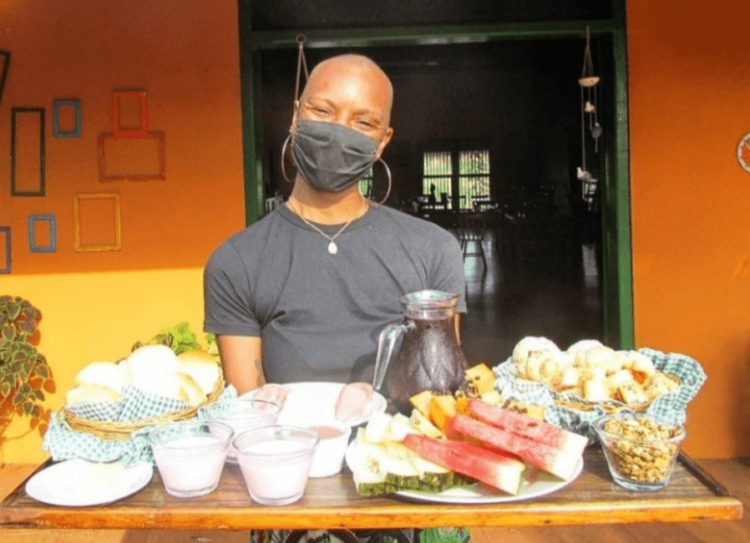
(41, 370)
(9, 333)
(28, 326)
(27, 407)
(17, 399)
(13, 311)
(4, 389)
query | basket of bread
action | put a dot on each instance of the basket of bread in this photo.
(588, 379)
(113, 405)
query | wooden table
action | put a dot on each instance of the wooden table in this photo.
(593, 498)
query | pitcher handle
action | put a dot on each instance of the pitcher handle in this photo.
(386, 343)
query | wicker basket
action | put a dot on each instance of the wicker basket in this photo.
(122, 430)
(609, 407)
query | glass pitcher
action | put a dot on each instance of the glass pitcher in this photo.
(422, 353)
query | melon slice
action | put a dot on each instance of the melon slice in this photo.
(534, 429)
(442, 409)
(496, 470)
(561, 463)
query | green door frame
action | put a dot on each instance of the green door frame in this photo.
(616, 233)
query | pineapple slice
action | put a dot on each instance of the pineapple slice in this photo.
(493, 397)
(422, 401)
(480, 379)
(423, 425)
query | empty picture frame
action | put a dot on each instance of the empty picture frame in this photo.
(70, 111)
(27, 155)
(42, 234)
(132, 159)
(130, 114)
(96, 222)
(5, 252)
(4, 65)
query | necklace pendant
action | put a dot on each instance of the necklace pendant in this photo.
(333, 248)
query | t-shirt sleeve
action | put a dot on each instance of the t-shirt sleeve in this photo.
(227, 295)
(448, 272)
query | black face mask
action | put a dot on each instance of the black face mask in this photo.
(331, 157)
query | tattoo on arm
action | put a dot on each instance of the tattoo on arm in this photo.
(261, 380)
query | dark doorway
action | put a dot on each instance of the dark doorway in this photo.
(520, 100)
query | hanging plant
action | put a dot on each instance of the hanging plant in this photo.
(25, 375)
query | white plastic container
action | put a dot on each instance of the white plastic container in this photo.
(329, 454)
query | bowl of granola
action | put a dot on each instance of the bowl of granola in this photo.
(641, 452)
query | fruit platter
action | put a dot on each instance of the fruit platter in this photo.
(471, 446)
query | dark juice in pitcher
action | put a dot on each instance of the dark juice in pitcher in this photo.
(429, 358)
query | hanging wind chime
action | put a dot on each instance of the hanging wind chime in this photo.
(589, 103)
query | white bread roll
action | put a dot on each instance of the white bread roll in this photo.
(201, 367)
(583, 345)
(91, 393)
(596, 357)
(616, 379)
(150, 360)
(528, 345)
(570, 378)
(105, 374)
(640, 365)
(595, 391)
(176, 386)
(631, 393)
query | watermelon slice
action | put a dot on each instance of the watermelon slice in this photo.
(554, 460)
(497, 470)
(534, 429)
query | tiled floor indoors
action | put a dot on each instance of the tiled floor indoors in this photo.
(507, 302)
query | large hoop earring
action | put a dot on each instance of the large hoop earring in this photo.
(283, 162)
(388, 174)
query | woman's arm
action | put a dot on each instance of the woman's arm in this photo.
(242, 360)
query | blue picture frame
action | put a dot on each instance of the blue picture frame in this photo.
(57, 106)
(52, 247)
(5, 232)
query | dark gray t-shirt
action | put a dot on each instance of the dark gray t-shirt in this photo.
(320, 315)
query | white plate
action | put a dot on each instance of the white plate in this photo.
(537, 484)
(80, 483)
(311, 404)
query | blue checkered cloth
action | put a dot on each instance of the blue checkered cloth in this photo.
(669, 408)
(63, 443)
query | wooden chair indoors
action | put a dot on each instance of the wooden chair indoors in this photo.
(472, 228)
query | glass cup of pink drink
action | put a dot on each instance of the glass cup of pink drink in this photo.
(190, 455)
(275, 462)
(245, 414)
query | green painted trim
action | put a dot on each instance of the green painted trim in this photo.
(251, 129)
(619, 299)
(430, 35)
(616, 227)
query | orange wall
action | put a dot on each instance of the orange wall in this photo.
(185, 55)
(689, 91)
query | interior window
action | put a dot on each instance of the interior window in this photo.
(464, 173)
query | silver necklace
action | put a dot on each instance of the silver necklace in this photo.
(332, 247)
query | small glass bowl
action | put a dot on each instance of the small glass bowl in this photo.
(190, 455)
(275, 462)
(245, 414)
(641, 453)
